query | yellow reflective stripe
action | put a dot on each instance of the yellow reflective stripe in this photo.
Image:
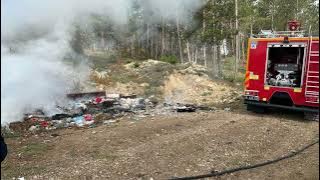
(254, 77)
(297, 90)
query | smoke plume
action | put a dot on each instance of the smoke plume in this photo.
(35, 36)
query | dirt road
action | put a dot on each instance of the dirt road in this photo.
(166, 146)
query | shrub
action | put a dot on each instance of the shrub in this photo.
(136, 65)
(169, 59)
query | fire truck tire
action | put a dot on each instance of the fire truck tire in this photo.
(311, 116)
(256, 109)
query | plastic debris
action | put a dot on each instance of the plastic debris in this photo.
(79, 120)
(88, 117)
(89, 112)
(80, 105)
(44, 124)
(98, 100)
(113, 96)
(33, 128)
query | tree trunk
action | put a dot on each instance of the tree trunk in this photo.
(219, 64)
(167, 43)
(205, 55)
(196, 56)
(243, 52)
(151, 46)
(94, 47)
(191, 52)
(188, 51)
(162, 37)
(272, 15)
(102, 42)
(156, 47)
(132, 46)
(171, 46)
(204, 25)
(232, 42)
(214, 58)
(148, 39)
(236, 64)
(224, 48)
(251, 26)
(179, 40)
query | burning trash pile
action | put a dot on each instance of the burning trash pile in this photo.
(92, 109)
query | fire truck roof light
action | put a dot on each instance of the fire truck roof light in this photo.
(286, 39)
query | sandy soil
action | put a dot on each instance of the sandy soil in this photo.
(162, 147)
(184, 83)
(195, 89)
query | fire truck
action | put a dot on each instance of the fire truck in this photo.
(283, 71)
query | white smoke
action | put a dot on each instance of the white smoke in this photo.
(34, 76)
(38, 31)
(171, 9)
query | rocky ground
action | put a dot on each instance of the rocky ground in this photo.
(183, 83)
(165, 146)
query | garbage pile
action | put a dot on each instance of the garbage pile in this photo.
(91, 109)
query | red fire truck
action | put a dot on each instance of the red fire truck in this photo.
(283, 71)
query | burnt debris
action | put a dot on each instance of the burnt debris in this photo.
(90, 109)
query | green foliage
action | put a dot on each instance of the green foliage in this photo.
(217, 15)
(147, 35)
(136, 65)
(172, 59)
(228, 68)
(305, 11)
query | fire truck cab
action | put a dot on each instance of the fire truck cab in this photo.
(283, 71)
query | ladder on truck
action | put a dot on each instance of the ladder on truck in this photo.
(312, 79)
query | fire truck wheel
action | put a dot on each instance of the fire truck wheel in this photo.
(256, 109)
(311, 116)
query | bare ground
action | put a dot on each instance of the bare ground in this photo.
(162, 147)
